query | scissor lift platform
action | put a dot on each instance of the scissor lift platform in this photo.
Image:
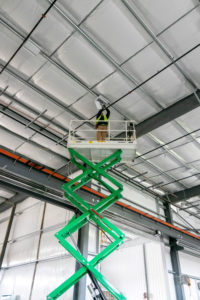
(94, 158)
(119, 136)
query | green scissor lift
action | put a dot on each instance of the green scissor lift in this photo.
(91, 213)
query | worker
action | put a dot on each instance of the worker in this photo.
(130, 131)
(102, 123)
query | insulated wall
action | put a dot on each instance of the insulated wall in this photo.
(138, 270)
(35, 263)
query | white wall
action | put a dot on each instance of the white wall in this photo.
(139, 197)
(190, 264)
(125, 268)
(157, 271)
(54, 266)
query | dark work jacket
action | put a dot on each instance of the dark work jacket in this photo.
(101, 121)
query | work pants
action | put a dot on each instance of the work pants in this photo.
(101, 132)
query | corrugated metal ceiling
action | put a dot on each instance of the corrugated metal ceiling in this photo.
(86, 48)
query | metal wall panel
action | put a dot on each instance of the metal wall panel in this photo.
(28, 203)
(157, 273)
(190, 264)
(3, 227)
(139, 197)
(21, 251)
(125, 269)
(49, 275)
(17, 281)
(56, 215)
(50, 246)
(27, 222)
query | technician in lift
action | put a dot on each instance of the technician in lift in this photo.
(102, 123)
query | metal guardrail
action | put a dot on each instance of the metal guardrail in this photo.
(81, 130)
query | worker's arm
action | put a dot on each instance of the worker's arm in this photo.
(107, 113)
(99, 113)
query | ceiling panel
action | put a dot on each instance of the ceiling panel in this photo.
(77, 10)
(183, 35)
(164, 162)
(171, 188)
(83, 60)
(146, 63)
(56, 83)
(48, 144)
(9, 140)
(23, 111)
(38, 102)
(190, 182)
(22, 12)
(15, 126)
(9, 43)
(168, 87)
(169, 132)
(25, 14)
(42, 156)
(190, 66)
(27, 61)
(137, 106)
(162, 13)
(192, 120)
(4, 100)
(64, 119)
(145, 144)
(9, 81)
(86, 106)
(116, 30)
(189, 152)
(182, 172)
(146, 168)
(50, 36)
(114, 86)
(56, 130)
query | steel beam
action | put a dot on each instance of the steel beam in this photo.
(174, 248)
(180, 295)
(184, 194)
(166, 115)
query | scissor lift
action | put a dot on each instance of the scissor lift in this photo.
(88, 213)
